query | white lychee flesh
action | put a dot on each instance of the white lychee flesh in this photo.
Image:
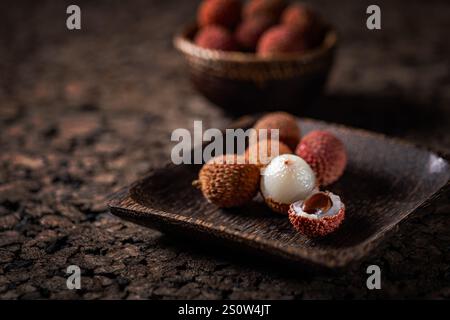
(287, 179)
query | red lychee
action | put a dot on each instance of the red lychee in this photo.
(300, 16)
(305, 21)
(226, 13)
(289, 131)
(250, 30)
(326, 155)
(281, 39)
(215, 37)
(268, 8)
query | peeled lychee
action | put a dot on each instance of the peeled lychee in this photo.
(318, 215)
(268, 8)
(225, 13)
(216, 38)
(285, 180)
(281, 39)
(250, 30)
(289, 131)
(305, 21)
(326, 155)
(227, 183)
(260, 153)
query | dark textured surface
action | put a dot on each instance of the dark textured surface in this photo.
(84, 113)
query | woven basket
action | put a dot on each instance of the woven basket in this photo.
(243, 82)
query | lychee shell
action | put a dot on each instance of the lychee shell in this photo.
(229, 185)
(225, 13)
(289, 130)
(299, 16)
(316, 227)
(305, 21)
(326, 155)
(268, 8)
(216, 38)
(250, 30)
(281, 208)
(281, 39)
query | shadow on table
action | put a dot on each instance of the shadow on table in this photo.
(388, 114)
(243, 258)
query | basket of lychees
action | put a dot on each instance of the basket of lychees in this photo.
(258, 55)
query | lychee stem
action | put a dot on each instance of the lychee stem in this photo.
(196, 184)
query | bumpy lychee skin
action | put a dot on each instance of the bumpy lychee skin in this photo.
(281, 39)
(260, 153)
(317, 224)
(305, 21)
(228, 184)
(289, 131)
(225, 13)
(268, 8)
(299, 16)
(286, 179)
(326, 155)
(250, 30)
(215, 38)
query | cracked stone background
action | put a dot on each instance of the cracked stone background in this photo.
(85, 113)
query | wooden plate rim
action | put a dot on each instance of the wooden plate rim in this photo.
(123, 205)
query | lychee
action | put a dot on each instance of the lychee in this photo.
(318, 215)
(289, 131)
(281, 39)
(226, 182)
(285, 180)
(261, 153)
(268, 8)
(216, 38)
(299, 16)
(305, 21)
(326, 155)
(225, 13)
(250, 30)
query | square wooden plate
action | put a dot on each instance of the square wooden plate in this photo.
(384, 182)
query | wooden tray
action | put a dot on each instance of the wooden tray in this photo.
(384, 182)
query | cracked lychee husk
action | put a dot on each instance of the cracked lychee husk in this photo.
(326, 155)
(286, 179)
(289, 130)
(227, 183)
(318, 215)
